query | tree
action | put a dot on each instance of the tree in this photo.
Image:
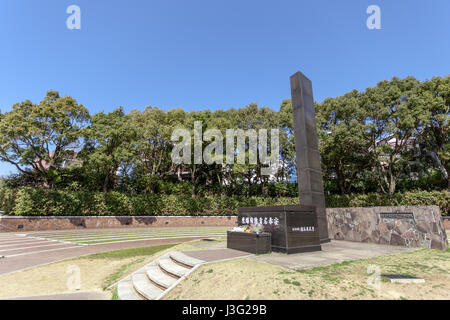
(36, 138)
(253, 118)
(153, 143)
(196, 171)
(344, 139)
(435, 137)
(396, 115)
(110, 147)
(287, 142)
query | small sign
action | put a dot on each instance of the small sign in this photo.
(400, 278)
(397, 215)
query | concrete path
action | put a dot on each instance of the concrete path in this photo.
(20, 256)
(333, 252)
(66, 296)
(211, 255)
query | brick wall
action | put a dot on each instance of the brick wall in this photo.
(17, 224)
(447, 223)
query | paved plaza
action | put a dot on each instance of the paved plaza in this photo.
(336, 251)
(96, 237)
(24, 250)
(333, 252)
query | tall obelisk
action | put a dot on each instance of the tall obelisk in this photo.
(309, 169)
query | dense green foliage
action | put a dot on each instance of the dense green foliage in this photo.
(36, 138)
(389, 138)
(376, 146)
(29, 201)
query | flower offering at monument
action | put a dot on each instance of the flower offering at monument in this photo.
(252, 228)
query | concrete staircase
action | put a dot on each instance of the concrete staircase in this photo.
(156, 279)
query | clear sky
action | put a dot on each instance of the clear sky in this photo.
(212, 54)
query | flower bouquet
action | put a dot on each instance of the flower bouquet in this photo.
(252, 228)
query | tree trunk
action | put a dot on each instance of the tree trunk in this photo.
(341, 185)
(105, 183)
(264, 187)
(392, 186)
(340, 180)
(194, 189)
(391, 181)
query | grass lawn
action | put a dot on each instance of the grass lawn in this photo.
(249, 279)
(97, 271)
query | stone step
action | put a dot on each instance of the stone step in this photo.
(184, 259)
(125, 291)
(171, 267)
(155, 274)
(145, 287)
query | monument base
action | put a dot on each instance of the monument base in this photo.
(293, 228)
(249, 242)
(300, 249)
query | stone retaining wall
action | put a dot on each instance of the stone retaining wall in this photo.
(411, 226)
(426, 229)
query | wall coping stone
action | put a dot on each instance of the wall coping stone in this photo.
(71, 217)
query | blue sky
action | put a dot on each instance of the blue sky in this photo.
(212, 54)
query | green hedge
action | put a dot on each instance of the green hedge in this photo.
(27, 201)
(410, 198)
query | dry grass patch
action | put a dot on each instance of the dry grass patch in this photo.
(248, 279)
(97, 272)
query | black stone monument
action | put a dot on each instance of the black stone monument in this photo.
(293, 228)
(304, 227)
(309, 169)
